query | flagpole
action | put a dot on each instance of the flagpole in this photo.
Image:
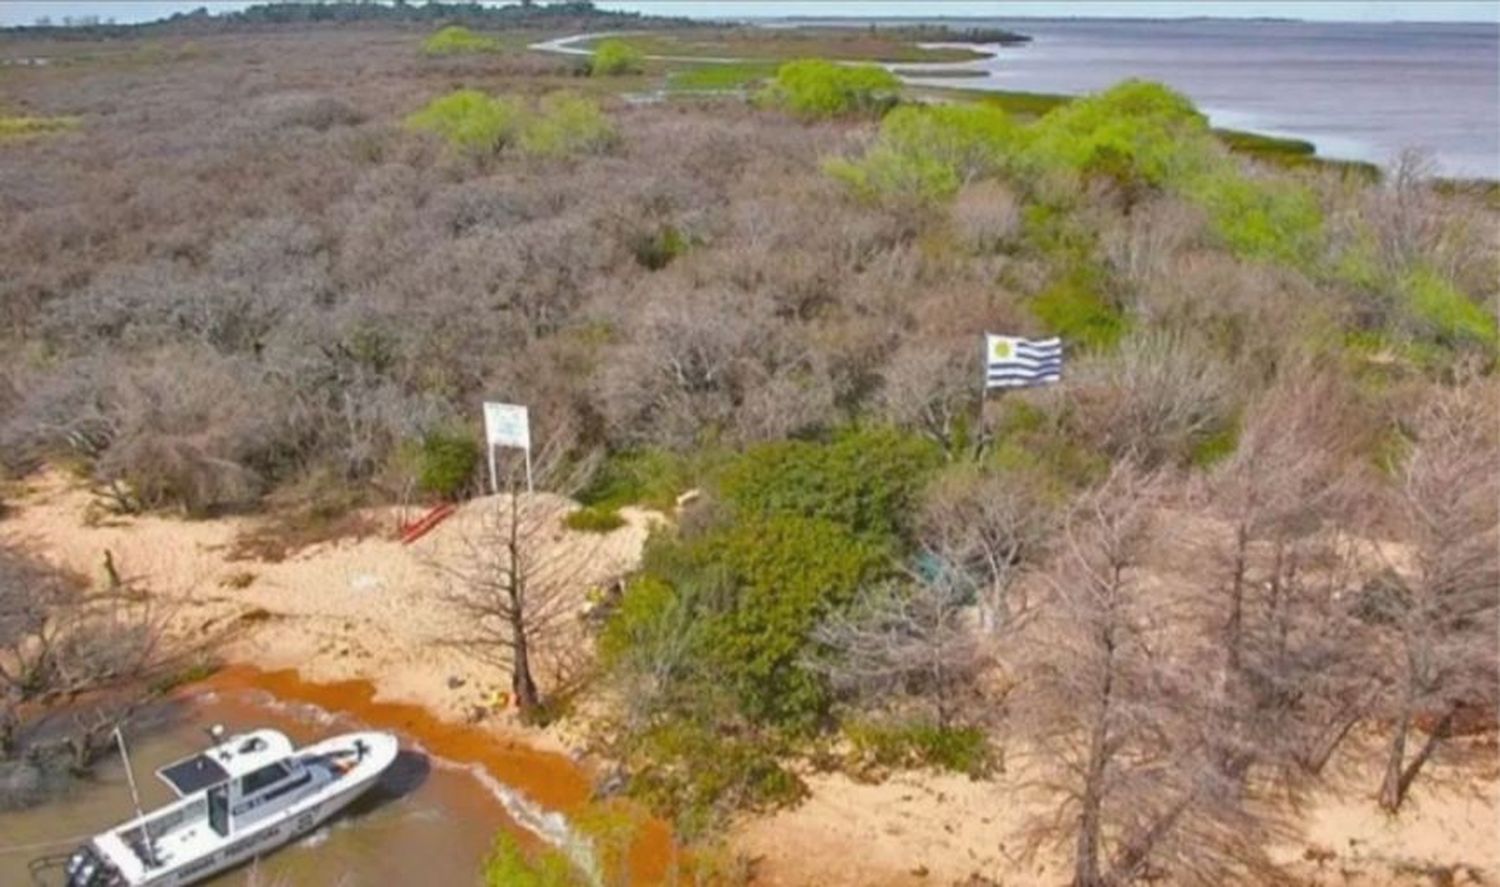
(984, 393)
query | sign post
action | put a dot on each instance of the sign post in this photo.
(506, 425)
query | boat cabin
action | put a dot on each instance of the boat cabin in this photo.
(224, 791)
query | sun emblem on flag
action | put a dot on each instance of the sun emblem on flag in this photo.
(1001, 349)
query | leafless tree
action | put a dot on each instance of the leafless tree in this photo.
(1152, 398)
(1112, 695)
(513, 578)
(1291, 681)
(987, 529)
(58, 641)
(1437, 609)
(910, 640)
(935, 389)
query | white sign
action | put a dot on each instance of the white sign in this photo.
(507, 425)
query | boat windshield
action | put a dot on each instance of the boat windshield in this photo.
(218, 809)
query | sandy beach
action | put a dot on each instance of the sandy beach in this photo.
(372, 610)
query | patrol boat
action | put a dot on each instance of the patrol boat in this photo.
(237, 800)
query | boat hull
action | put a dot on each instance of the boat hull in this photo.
(279, 830)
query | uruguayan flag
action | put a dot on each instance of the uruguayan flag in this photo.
(1013, 362)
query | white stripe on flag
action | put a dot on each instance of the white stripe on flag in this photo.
(1014, 362)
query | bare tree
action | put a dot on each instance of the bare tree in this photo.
(987, 530)
(1438, 613)
(514, 578)
(58, 641)
(1152, 398)
(934, 390)
(1112, 695)
(1291, 681)
(906, 641)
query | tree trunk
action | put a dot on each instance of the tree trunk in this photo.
(1391, 793)
(1086, 854)
(1405, 775)
(521, 683)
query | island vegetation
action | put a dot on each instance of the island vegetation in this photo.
(1252, 531)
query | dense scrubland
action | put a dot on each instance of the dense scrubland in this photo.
(279, 272)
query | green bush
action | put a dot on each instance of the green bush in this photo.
(615, 56)
(508, 865)
(785, 573)
(1134, 132)
(455, 40)
(567, 124)
(814, 88)
(652, 478)
(1073, 308)
(561, 125)
(1258, 219)
(471, 121)
(594, 520)
(865, 480)
(920, 744)
(444, 462)
(699, 774)
(1446, 314)
(656, 251)
(925, 154)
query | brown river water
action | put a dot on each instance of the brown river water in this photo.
(430, 822)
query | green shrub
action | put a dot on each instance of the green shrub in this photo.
(785, 573)
(1073, 308)
(594, 520)
(471, 121)
(925, 154)
(656, 251)
(1134, 132)
(920, 744)
(1446, 314)
(444, 461)
(614, 56)
(20, 127)
(865, 480)
(1258, 219)
(567, 124)
(455, 40)
(508, 865)
(699, 774)
(814, 88)
(652, 478)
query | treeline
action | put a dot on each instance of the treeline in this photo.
(574, 14)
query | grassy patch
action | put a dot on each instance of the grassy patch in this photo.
(22, 127)
(594, 520)
(956, 749)
(845, 44)
(455, 40)
(941, 73)
(721, 78)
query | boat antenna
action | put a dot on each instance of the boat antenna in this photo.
(135, 795)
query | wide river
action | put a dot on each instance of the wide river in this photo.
(1361, 91)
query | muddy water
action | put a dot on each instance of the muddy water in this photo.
(430, 822)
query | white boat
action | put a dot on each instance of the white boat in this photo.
(238, 800)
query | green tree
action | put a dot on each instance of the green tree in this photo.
(814, 88)
(925, 154)
(614, 56)
(456, 40)
(472, 121)
(567, 124)
(864, 481)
